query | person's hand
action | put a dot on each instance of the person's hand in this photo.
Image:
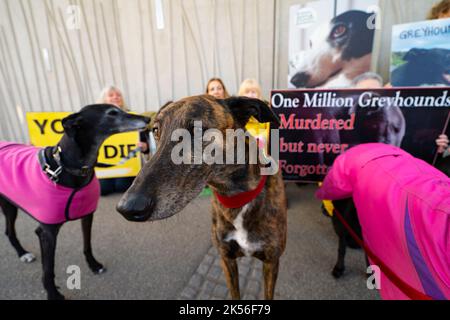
(143, 146)
(442, 143)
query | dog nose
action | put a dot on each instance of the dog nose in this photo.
(135, 207)
(147, 120)
(300, 79)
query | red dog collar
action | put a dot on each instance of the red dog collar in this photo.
(241, 199)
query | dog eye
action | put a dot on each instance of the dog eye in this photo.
(155, 131)
(338, 31)
(113, 113)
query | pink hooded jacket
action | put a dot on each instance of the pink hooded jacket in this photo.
(403, 206)
(23, 182)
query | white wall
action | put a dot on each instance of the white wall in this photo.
(119, 43)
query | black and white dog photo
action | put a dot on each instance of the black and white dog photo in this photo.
(339, 51)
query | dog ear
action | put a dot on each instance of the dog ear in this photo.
(356, 107)
(71, 123)
(243, 108)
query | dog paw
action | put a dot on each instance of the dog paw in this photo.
(337, 272)
(28, 258)
(100, 270)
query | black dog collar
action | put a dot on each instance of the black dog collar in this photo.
(80, 172)
(54, 174)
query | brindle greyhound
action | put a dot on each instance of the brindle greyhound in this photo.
(26, 182)
(257, 228)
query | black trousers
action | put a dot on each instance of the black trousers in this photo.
(115, 185)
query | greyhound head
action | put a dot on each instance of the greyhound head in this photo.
(344, 38)
(379, 124)
(102, 120)
(87, 129)
(435, 61)
(164, 186)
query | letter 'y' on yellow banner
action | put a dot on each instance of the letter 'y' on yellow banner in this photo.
(45, 129)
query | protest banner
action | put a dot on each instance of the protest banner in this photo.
(318, 125)
(45, 129)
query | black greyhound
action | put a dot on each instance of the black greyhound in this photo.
(71, 165)
(347, 209)
(423, 67)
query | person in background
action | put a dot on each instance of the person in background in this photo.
(440, 10)
(250, 88)
(112, 95)
(442, 143)
(367, 80)
(443, 160)
(216, 88)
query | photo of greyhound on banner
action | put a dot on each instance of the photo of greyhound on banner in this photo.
(330, 42)
(118, 154)
(421, 53)
(318, 125)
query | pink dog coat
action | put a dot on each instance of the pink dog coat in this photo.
(24, 183)
(403, 206)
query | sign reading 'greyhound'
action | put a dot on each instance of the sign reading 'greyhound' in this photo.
(318, 125)
(421, 53)
(45, 129)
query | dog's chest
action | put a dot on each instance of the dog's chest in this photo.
(241, 235)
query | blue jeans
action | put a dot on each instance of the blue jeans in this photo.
(115, 185)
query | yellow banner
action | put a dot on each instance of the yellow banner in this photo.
(260, 131)
(45, 129)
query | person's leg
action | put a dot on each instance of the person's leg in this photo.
(107, 186)
(122, 184)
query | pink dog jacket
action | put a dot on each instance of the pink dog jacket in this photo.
(403, 206)
(24, 183)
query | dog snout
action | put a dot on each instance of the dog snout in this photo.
(135, 207)
(147, 120)
(300, 79)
